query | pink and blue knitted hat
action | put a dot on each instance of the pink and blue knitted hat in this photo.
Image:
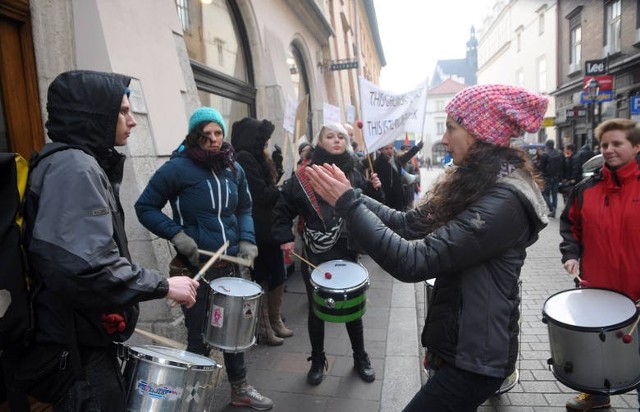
(494, 113)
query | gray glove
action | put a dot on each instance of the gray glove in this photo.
(186, 247)
(247, 250)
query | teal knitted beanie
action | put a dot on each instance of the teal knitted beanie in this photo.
(207, 114)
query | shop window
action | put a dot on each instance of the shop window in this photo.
(218, 47)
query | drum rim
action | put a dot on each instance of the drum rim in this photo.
(577, 387)
(366, 282)
(546, 318)
(184, 365)
(260, 290)
(326, 292)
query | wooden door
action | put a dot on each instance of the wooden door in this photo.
(18, 80)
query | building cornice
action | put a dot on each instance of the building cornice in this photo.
(375, 33)
(312, 17)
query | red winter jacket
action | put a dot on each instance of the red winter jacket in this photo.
(602, 228)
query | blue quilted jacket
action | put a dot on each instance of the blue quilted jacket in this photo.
(210, 208)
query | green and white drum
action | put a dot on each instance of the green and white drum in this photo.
(339, 297)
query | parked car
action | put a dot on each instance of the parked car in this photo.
(592, 165)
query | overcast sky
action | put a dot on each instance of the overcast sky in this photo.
(417, 33)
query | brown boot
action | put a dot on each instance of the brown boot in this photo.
(275, 306)
(265, 333)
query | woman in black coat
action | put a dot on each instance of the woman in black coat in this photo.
(250, 138)
(325, 238)
(470, 234)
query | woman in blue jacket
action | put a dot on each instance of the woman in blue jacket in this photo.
(211, 204)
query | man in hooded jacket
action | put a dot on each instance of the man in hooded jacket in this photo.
(88, 288)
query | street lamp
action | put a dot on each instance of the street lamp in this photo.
(592, 88)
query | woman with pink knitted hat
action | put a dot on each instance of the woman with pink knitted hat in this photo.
(470, 233)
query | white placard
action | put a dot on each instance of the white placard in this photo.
(330, 114)
(387, 115)
(290, 115)
(351, 114)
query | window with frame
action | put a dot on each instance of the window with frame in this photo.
(520, 78)
(575, 43)
(183, 14)
(613, 26)
(542, 74)
(439, 106)
(440, 128)
(541, 23)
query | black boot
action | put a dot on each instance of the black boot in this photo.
(362, 365)
(318, 364)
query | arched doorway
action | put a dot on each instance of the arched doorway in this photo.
(300, 81)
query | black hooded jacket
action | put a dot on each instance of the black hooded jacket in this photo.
(248, 138)
(77, 246)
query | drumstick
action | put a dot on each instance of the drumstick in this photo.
(326, 274)
(206, 266)
(366, 151)
(579, 282)
(628, 337)
(304, 260)
(165, 341)
(232, 259)
(211, 261)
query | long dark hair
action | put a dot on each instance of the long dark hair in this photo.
(462, 185)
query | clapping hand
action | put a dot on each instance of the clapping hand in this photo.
(328, 181)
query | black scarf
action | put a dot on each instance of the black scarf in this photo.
(217, 161)
(344, 161)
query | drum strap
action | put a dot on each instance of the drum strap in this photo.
(306, 186)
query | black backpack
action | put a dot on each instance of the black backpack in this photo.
(17, 291)
(16, 315)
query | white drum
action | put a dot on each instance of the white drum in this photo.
(340, 297)
(232, 316)
(589, 351)
(168, 380)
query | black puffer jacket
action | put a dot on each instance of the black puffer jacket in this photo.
(476, 259)
(320, 220)
(248, 137)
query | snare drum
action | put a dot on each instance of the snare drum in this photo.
(232, 316)
(586, 330)
(342, 298)
(167, 380)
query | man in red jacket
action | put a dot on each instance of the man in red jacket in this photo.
(599, 226)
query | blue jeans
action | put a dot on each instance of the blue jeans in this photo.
(452, 389)
(550, 193)
(195, 319)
